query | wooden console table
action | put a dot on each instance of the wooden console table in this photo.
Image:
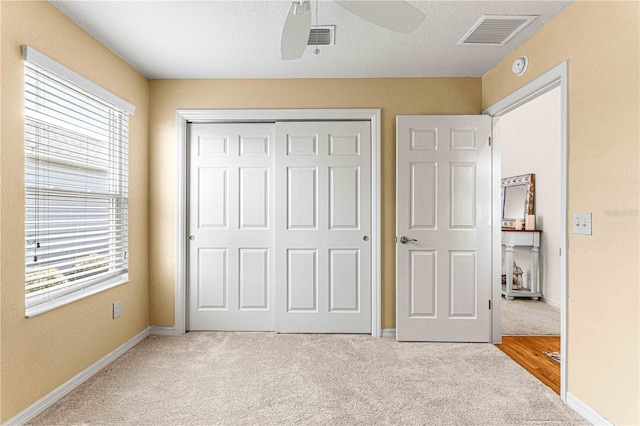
(512, 238)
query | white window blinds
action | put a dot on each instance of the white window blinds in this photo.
(76, 186)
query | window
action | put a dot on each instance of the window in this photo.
(76, 186)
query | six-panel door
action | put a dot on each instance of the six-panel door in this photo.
(323, 227)
(443, 203)
(231, 227)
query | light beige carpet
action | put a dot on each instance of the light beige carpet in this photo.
(526, 317)
(272, 379)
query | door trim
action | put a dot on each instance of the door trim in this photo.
(185, 116)
(555, 77)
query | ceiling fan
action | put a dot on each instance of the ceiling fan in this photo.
(396, 15)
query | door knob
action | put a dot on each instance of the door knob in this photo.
(192, 237)
(405, 240)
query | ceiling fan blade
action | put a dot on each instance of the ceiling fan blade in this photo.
(398, 16)
(295, 32)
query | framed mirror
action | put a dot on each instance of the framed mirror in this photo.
(517, 199)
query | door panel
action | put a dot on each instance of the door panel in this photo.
(212, 196)
(423, 202)
(231, 221)
(463, 284)
(462, 201)
(422, 282)
(302, 198)
(302, 281)
(254, 198)
(344, 280)
(212, 279)
(324, 203)
(254, 279)
(344, 209)
(443, 208)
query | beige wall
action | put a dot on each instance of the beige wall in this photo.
(601, 42)
(41, 353)
(393, 96)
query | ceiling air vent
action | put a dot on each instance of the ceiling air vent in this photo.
(322, 35)
(496, 30)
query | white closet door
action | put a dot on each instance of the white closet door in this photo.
(323, 278)
(443, 265)
(231, 227)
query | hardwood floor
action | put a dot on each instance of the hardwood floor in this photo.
(528, 352)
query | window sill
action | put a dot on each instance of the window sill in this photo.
(75, 296)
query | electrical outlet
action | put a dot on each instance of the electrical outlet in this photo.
(581, 223)
(116, 309)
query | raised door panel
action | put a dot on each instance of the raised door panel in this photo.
(302, 280)
(254, 279)
(422, 280)
(423, 139)
(258, 145)
(463, 284)
(344, 280)
(344, 144)
(212, 145)
(254, 198)
(462, 199)
(462, 139)
(212, 279)
(302, 198)
(302, 144)
(212, 195)
(344, 198)
(423, 196)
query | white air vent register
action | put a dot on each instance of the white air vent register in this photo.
(496, 30)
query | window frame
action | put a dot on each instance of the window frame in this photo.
(41, 301)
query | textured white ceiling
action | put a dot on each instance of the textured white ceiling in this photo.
(241, 39)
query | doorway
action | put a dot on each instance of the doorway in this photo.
(185, 118)
(530, 144)
(550, 86)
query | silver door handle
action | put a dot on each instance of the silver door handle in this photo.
(192, 237)
(405, 240)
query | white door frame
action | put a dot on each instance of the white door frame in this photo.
(555, 77)
(185, 116)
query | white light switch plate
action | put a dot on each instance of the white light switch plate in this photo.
(116, 309)
(581, 223)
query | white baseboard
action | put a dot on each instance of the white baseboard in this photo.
(55, 395)
(585, 411)
(551, 302)
(389, 332)
(162, 331)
